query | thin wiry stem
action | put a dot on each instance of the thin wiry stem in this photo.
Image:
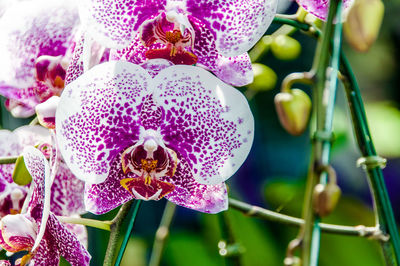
(256, 211)
(162, 234)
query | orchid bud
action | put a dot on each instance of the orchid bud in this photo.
(18, 232)
(20, 174)
(46, 112)
(292, 261)
(363, 23)
(285, 48)
(326, 198)
(293, 110)
(264, 78)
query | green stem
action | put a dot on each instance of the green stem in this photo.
(382, 206)
(128, 232)
(310, 232)
(256, 211)
(384, 212)
(104, 225)
(115, 231)
(230, 250)
(162, 234)
(8, 160)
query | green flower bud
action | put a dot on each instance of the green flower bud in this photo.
(285, 47)
(326, 198)
(264, 78)
(20, 174)
(293, 110)
(363, 23)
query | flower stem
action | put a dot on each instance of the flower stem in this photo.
(8, 160)
(382, 206)
(115, 231)
(104, 225)
(162, 234)
(128, 232)
(309, 234)
(256, 211)
(228, 248)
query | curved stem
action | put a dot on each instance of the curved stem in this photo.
(115, 231)
(8, 160)
(255, 211)
(382, 206)
(128, 232)
(104, 225)
(162, 234)
(309, 234)
(381, 199)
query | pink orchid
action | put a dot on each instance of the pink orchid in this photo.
(176, 132)
(22, 231)
(319, 8)
(212, 34)
(35, 42)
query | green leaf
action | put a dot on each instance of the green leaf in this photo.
(21, 175)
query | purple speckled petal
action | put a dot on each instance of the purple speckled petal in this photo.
(154, 66)
(106, 196)
(67, 193)
(28, 30)
(79, 231)
(66, 243)
(236, 24)
(206, 121)
(319, 8)
(98, 116)
(236, 71)
(5, 263)
(190, 194)
(114, 23)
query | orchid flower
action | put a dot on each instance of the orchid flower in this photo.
(319, 8)
(36, 38)
(177, 132)
(21, 231)
(214, 34)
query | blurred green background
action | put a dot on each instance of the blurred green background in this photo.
(274, 173)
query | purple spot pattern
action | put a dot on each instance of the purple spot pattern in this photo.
(114, 22)
(191, 194)
(12, 144)
(189, 107)
(29, 30)
(237, 24)
(67, 190)
(319, 8)
(67, 193)
(57, 239)
(236, 70)
(200, 122)
(104, 120)
(106, 196)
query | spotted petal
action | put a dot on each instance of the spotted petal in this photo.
(98, 116)
(114, 23)
(319, 8)
(67, 193)
(206, 121)
(193, 195)
(28, 30)
(236, 24)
